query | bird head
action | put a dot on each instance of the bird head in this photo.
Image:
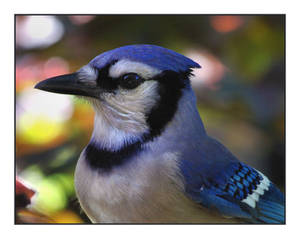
(134, 89)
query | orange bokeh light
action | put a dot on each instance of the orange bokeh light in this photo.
(225, 24)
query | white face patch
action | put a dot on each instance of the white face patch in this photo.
(263, 186)
(88, 75)
(125, 66)
(121, 117)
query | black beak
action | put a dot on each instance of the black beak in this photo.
(69, 84)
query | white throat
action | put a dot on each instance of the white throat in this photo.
(108, 134)
(120, 118)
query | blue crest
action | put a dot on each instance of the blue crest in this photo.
(155, 56)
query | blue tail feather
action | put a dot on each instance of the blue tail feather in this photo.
(270, 207)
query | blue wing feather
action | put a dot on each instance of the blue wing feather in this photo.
(219, 181)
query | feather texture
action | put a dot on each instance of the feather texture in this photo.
(152, 55)
(238, 191)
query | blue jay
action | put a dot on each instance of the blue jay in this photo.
(150, 159)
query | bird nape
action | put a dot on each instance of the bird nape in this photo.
(149, 159)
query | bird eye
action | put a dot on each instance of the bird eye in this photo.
(130, 81)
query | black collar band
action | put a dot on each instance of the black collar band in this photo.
(104, 160)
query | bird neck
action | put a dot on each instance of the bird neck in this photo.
(186, 125)
(114, 147)
(187, 116)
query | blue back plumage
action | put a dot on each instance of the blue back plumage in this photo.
(155, 56)
(213, 176)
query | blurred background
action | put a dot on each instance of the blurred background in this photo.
(240, 90)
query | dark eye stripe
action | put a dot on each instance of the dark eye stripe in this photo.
(128, 81)
(106, 82)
